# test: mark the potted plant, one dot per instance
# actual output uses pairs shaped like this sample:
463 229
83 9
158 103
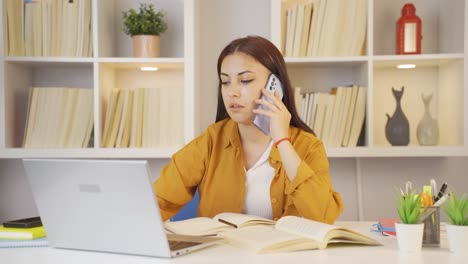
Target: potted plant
457 231
410 230
145 27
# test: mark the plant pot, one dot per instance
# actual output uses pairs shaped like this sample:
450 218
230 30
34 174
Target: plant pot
409 237
146 46
457 237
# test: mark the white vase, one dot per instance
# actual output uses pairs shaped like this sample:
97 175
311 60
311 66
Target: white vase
409 237
457 237
427 131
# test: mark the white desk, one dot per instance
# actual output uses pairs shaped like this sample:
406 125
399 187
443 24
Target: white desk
387 254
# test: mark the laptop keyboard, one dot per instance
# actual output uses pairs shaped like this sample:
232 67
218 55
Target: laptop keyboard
176 245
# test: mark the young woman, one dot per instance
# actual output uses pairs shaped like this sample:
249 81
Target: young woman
238 168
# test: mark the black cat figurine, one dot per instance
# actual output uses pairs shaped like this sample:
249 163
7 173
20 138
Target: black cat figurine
397 127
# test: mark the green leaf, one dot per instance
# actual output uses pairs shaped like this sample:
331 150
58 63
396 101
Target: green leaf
457 209
144 22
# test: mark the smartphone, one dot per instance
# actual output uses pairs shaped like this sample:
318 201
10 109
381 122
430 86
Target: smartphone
263 122
24 223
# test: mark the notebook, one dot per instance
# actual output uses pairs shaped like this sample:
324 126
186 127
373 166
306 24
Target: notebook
9 243
103 205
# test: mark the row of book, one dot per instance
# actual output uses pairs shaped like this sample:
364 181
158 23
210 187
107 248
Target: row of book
143 118
324 27
49 28
337 117
59 118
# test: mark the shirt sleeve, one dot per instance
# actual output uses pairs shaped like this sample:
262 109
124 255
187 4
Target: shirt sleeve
311 192
179 179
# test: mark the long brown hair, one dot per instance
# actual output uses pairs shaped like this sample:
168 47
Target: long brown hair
269 56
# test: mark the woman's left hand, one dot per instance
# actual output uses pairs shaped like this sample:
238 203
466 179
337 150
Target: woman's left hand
278 114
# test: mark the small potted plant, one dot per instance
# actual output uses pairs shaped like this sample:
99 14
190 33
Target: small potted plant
145 27
410 230
457 231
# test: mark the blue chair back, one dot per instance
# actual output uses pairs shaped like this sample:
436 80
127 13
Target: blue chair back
189 210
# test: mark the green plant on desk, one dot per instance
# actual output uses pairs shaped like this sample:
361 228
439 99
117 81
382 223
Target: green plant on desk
457 231
409 207
457 210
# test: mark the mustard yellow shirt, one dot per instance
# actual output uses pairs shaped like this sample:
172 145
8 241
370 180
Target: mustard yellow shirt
213 163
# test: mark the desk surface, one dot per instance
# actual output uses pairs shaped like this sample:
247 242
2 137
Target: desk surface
387 254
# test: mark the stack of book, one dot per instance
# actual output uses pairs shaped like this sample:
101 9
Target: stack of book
22 237
337 117
59 118
143 118
324 27
49 28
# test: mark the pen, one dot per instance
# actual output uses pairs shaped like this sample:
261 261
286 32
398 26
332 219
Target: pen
441 192
442 200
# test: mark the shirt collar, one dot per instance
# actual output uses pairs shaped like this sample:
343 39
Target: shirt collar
232 138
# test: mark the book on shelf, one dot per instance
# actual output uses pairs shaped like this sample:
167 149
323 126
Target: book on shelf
110 114
329 117
48 28
58 117
310 118
205 226
357 120
22 233
115 122
339 133
137 118
309 27
349 116
292 233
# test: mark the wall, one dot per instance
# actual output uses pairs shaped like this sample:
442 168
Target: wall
378 179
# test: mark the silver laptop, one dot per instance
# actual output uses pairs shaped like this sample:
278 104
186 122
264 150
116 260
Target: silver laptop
103 205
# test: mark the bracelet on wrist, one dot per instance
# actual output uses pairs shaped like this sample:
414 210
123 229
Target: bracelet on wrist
281 140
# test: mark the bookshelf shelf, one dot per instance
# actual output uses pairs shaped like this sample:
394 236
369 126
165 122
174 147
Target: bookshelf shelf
179 61
49 59
326 60
136 153
387 152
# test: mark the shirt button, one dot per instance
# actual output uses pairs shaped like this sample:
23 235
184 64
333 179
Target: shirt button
273 200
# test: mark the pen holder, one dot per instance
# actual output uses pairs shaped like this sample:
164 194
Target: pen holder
431 233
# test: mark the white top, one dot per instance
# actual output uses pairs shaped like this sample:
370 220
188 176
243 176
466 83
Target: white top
257 182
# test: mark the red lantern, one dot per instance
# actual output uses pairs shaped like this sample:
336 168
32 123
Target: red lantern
408 36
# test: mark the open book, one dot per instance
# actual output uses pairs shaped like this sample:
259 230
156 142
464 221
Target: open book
292 233
205 226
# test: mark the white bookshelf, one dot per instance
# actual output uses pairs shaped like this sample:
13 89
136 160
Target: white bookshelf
440 70
112 65
189 51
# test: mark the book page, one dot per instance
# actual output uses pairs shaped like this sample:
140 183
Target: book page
242 220
263 239
321 232
199 226
305 227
